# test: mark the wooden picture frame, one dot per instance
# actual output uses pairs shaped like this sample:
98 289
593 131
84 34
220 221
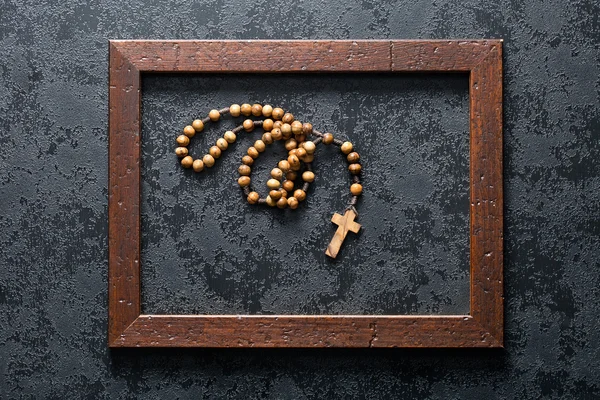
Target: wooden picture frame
481 59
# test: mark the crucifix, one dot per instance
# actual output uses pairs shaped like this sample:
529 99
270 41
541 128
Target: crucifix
345 223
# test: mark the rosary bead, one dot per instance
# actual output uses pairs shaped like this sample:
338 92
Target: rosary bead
301 138
244 170
310 147
267 138
270 201
300 194
277 124
290 144
260 146
198 125
292 203
230 136
283 192
222 144
291 175
277 113
286 130
247 160
267 124
275 194
253 197
183 140
273 184
267 110
354 169
248 125
252 152
301 153
276 173
327 138
356 189
287 118
234 110
244 181
307 128
198 165
256 110
284 165
181 151
208 160
346 147
282 203
215 152
353 157
288 186
187 161
189 131
309 158
294 162
214 115
308 176
296 127
276 134
246 109
293 152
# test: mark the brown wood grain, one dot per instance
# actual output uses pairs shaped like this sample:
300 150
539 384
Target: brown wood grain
482 59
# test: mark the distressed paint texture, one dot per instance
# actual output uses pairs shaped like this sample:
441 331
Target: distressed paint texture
53 204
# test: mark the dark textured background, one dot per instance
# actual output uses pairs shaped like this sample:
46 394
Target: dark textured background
53 204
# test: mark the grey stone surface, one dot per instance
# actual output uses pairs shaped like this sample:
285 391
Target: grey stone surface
411 131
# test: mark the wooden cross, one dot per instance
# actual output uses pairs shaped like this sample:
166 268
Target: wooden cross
345 223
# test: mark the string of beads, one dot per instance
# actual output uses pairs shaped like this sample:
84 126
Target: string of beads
278 125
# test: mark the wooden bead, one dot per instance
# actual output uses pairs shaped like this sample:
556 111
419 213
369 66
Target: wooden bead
267 124
248 125
276 134
282 203
244 169
353 157
286 130
288 186
260 146
235 110
276 173
230 137
253 197
300 194
310 147
283 192
354 169
307 128
309 158
292 203
277 124
247 160
270 201
308 176
273 184
301 153
244 181
287 118
198 165
296 127
267 138
215 152
327 138
267 110
346 147
187 161
222 144
183 140
208 160
275 194
181 151
291 175
294 162
277 113
198 125
356 189
189 131
214 115
252 152
290 144
256 110
293 152
300 138
284 165
246 109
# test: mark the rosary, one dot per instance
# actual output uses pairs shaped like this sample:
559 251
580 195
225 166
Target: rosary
278 125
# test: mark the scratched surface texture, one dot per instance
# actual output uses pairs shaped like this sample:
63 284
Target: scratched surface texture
53 204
